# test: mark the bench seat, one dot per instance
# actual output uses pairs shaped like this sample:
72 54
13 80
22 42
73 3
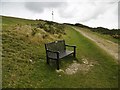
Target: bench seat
61 54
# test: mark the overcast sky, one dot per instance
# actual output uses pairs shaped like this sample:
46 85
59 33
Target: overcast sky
94 13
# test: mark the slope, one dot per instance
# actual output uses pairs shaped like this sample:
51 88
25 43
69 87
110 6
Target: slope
109 46
24 62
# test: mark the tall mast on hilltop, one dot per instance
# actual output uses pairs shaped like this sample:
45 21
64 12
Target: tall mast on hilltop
52 15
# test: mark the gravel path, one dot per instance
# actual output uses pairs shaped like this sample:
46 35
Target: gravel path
109 46
75 67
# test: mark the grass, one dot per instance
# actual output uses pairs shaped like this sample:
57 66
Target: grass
108 37
13 20
104 36
24 63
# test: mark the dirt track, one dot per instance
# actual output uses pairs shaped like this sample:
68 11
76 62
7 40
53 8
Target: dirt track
109 46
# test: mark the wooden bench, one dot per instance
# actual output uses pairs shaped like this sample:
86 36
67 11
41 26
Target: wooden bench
57 50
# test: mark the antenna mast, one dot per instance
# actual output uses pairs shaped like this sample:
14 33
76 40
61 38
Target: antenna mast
52 15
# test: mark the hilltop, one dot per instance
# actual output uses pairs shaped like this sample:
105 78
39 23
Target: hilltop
115 33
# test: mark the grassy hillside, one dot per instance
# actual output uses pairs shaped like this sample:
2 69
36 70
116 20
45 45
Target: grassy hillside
24 62
13 20
110 34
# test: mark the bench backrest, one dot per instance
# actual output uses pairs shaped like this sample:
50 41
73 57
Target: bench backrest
56 46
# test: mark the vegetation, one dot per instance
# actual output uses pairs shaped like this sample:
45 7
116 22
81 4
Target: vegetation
52 27
13 20
34 31
24 62
115 33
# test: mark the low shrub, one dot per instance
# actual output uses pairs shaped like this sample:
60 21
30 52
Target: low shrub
34 31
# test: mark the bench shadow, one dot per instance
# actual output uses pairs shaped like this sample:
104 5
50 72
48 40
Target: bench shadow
64 62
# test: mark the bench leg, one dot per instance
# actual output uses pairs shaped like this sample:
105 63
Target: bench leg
47 60
74 54
57 62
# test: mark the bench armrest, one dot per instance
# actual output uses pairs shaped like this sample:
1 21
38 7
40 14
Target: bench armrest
70 45
74 49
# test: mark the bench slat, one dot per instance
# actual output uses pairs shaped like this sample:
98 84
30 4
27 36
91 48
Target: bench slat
61 54
56 46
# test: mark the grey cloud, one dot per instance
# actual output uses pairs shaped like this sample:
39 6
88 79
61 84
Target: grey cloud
99 9
104 6
39 7
64 13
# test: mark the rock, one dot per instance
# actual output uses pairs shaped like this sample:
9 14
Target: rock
73 68
76 69
60 70
85 61
91 65
74 61
30 60
59 75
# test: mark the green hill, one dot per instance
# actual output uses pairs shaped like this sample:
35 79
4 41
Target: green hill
24 62
14 20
